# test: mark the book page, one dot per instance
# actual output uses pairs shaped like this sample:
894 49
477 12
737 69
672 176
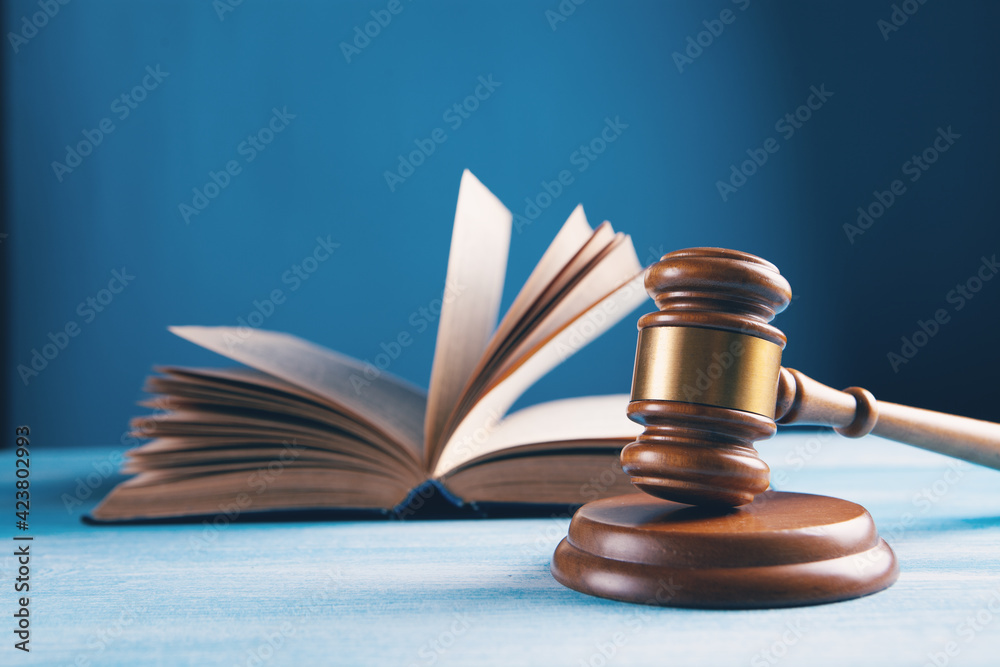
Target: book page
212 389
607 259
477 266
473 436
385 403
588 257
565 477
235 380
564 451
616 265
572 237
579 422
570 243
173 493
185 427
198 456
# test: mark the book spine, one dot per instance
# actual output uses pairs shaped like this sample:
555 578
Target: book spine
446 493
423 500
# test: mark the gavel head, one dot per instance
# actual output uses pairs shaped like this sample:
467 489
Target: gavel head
706 377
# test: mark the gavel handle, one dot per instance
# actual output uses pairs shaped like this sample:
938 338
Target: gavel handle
854 412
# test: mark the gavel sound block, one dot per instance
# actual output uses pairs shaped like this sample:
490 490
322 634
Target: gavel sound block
708 383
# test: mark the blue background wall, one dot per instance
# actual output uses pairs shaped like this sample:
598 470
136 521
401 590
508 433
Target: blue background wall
323 175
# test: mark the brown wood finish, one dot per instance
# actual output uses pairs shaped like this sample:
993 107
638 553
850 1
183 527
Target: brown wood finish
697 454
782 550
703 454
733 544
854 412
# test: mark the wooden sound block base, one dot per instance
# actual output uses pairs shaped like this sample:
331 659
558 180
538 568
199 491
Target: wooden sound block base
781 550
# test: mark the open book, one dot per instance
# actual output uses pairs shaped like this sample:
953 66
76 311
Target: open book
302 427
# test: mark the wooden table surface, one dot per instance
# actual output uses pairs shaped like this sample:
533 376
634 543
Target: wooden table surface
480 592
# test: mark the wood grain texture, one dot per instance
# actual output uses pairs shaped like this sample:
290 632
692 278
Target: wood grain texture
698 443
782 550
855 412
467 593
697 446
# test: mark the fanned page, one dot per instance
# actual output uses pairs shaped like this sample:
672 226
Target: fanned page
477 265
244 436
472 438
366 442
216 414
387 404
616 264
569 255
572 237
248 389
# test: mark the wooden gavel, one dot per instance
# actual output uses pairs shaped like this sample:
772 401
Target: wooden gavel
708 383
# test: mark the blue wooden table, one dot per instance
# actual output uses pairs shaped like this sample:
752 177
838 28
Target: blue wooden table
480 592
